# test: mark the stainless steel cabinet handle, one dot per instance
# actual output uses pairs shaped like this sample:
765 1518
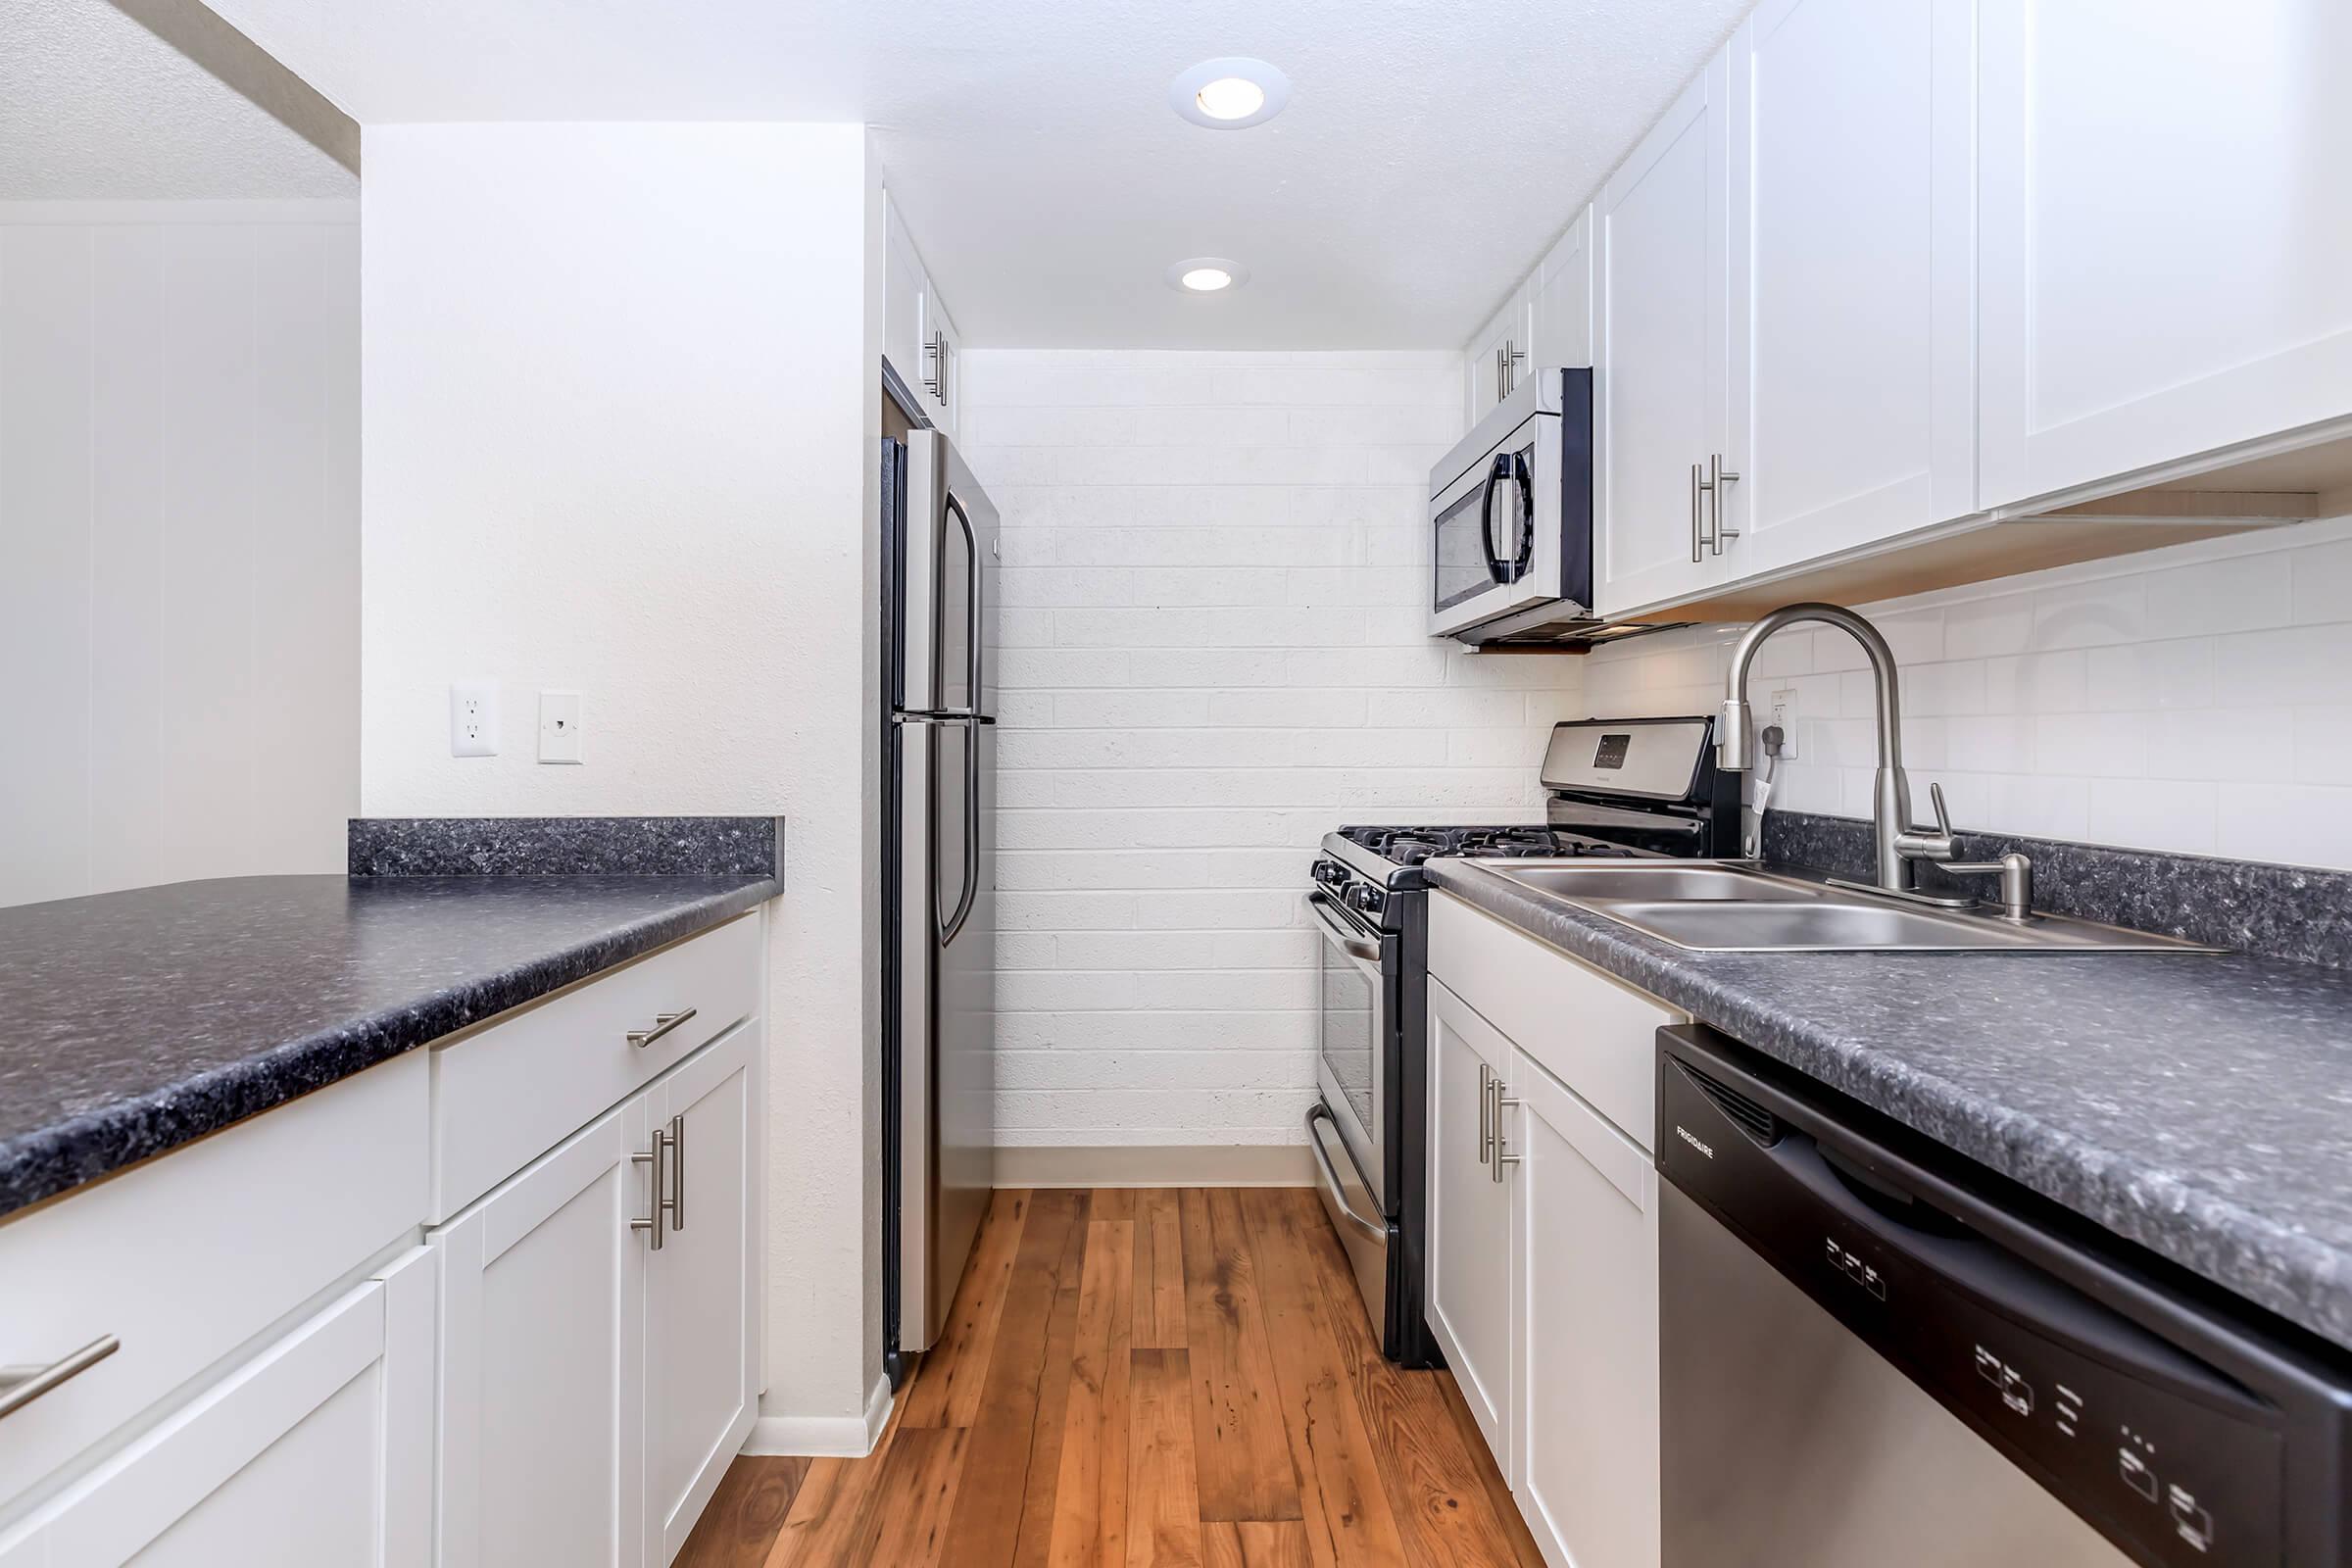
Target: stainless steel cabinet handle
20 1386
661 1205
1500 1105
1717 477
664 1023
939 351
1508 360
1697 543
1486 1112
677 1171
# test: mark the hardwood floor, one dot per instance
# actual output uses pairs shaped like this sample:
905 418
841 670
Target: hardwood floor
1163 1377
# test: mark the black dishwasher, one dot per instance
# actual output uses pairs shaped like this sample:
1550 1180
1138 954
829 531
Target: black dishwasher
1872 1352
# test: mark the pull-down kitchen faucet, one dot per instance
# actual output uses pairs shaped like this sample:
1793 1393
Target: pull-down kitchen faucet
1899 843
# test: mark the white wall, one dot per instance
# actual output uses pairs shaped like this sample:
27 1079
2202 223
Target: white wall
178 541
2192 700
1215 653
619 400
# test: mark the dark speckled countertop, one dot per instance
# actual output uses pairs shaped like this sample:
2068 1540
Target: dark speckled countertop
138 1021
2200 1107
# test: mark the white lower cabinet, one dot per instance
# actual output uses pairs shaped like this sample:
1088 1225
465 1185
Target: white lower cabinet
1544 1233
702 1378
543 1359
1585 1293
317 1451
598 1348
1470 1241
560 1374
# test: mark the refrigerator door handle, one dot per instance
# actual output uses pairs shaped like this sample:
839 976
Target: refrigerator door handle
971 840
972 638
974 669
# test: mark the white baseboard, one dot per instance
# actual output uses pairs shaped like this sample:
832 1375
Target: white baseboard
824 1437
1158 1165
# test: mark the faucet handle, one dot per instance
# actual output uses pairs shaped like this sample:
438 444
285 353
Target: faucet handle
1943 819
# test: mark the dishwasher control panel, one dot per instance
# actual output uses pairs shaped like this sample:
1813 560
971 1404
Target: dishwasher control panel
2167 1456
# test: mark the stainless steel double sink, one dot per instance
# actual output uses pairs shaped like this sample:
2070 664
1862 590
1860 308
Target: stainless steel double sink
1730 907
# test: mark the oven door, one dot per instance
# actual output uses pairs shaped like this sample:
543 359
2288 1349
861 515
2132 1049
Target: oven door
1496 529
1354 1040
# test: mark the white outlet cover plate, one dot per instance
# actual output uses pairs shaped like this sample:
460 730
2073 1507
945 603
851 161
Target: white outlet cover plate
1780 710
559 727
473 718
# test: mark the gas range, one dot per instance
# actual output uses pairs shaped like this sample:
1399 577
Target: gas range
1645 788
1393 855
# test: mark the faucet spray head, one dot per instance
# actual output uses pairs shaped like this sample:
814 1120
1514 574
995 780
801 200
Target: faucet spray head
1734 733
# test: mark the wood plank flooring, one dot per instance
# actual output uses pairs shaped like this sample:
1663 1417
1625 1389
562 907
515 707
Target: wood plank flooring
1184 1379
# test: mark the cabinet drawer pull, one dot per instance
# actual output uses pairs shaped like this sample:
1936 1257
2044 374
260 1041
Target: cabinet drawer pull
664 1023
20 1386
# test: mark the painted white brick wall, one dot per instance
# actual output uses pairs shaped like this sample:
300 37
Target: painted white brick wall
2196 699
1212 617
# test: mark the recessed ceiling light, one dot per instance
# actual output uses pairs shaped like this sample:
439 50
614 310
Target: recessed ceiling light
1230 94
1207 274
1231 98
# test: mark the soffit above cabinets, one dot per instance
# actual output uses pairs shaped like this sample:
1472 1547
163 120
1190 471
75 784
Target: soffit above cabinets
1425 153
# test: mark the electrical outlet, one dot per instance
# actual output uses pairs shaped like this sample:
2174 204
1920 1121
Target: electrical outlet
1781 707
559 727
473 719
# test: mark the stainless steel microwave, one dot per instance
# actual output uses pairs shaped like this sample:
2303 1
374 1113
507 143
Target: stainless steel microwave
1510 509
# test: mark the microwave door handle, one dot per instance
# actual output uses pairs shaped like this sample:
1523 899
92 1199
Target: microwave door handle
1526 514
1496 567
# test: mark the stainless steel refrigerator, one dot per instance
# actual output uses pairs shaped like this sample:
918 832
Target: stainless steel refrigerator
940 964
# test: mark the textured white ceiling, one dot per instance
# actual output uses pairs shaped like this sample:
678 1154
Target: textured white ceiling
94 106
1429 152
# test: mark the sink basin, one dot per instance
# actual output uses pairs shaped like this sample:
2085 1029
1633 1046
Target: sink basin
1645 880
1822 926
1714 906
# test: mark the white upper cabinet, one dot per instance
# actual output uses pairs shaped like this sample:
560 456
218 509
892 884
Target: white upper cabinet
2167 253
1664 404
920 338
1559 328
1498 358
1852 398
902 300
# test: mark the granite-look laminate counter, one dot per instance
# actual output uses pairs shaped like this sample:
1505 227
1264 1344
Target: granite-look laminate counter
2198 1105
138 1021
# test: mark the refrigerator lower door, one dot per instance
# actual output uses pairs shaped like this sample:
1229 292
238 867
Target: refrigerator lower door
965 1009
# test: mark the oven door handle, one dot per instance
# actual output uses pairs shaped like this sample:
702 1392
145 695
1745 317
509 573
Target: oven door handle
1332 1185
1341 929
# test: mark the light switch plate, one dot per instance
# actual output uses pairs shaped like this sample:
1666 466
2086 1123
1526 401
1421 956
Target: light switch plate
559 727
473 718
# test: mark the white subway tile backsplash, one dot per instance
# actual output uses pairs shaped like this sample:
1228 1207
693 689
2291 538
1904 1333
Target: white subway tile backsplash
2216 596
2086 614
1213 590
2155 700
2302 824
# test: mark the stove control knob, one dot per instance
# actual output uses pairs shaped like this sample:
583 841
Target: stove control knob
1331 873
1368 899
